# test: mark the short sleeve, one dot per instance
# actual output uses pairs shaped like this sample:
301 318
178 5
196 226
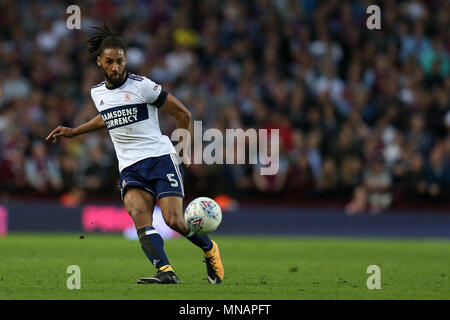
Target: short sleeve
93 98
150 90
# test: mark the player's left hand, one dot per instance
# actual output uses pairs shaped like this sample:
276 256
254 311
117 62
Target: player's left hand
60 131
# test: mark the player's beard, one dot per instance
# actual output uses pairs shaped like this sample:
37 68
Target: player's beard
116 78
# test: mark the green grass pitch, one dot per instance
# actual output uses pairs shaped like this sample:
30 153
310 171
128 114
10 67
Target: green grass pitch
33 266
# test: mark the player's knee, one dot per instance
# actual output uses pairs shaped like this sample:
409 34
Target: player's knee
135 212
141 218
175 222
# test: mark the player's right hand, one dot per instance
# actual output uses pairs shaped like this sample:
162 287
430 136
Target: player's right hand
60 131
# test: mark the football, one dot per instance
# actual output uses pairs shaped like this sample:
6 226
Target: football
203 215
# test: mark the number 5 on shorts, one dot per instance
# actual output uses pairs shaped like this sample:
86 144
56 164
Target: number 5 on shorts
174 183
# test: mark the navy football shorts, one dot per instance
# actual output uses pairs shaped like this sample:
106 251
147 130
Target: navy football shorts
160 176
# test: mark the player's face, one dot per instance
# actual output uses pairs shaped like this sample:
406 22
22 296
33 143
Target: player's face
113 63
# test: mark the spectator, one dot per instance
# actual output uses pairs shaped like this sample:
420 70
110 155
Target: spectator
327 184
343 145
351 175
378 183
12 172
96 176
359 203
416 184
334 89
300 180
417 135
15 85
438 174
42 171
271 185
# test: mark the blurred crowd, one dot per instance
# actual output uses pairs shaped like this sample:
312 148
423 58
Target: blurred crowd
363 115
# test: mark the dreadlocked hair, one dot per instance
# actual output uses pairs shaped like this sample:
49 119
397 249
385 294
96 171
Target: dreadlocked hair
105 38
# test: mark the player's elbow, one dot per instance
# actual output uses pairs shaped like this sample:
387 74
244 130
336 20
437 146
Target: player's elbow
188 116
175 108
185 116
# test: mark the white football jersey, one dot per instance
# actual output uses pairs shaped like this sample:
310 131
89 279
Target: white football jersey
130 112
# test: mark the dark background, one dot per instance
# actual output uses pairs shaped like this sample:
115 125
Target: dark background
364 115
